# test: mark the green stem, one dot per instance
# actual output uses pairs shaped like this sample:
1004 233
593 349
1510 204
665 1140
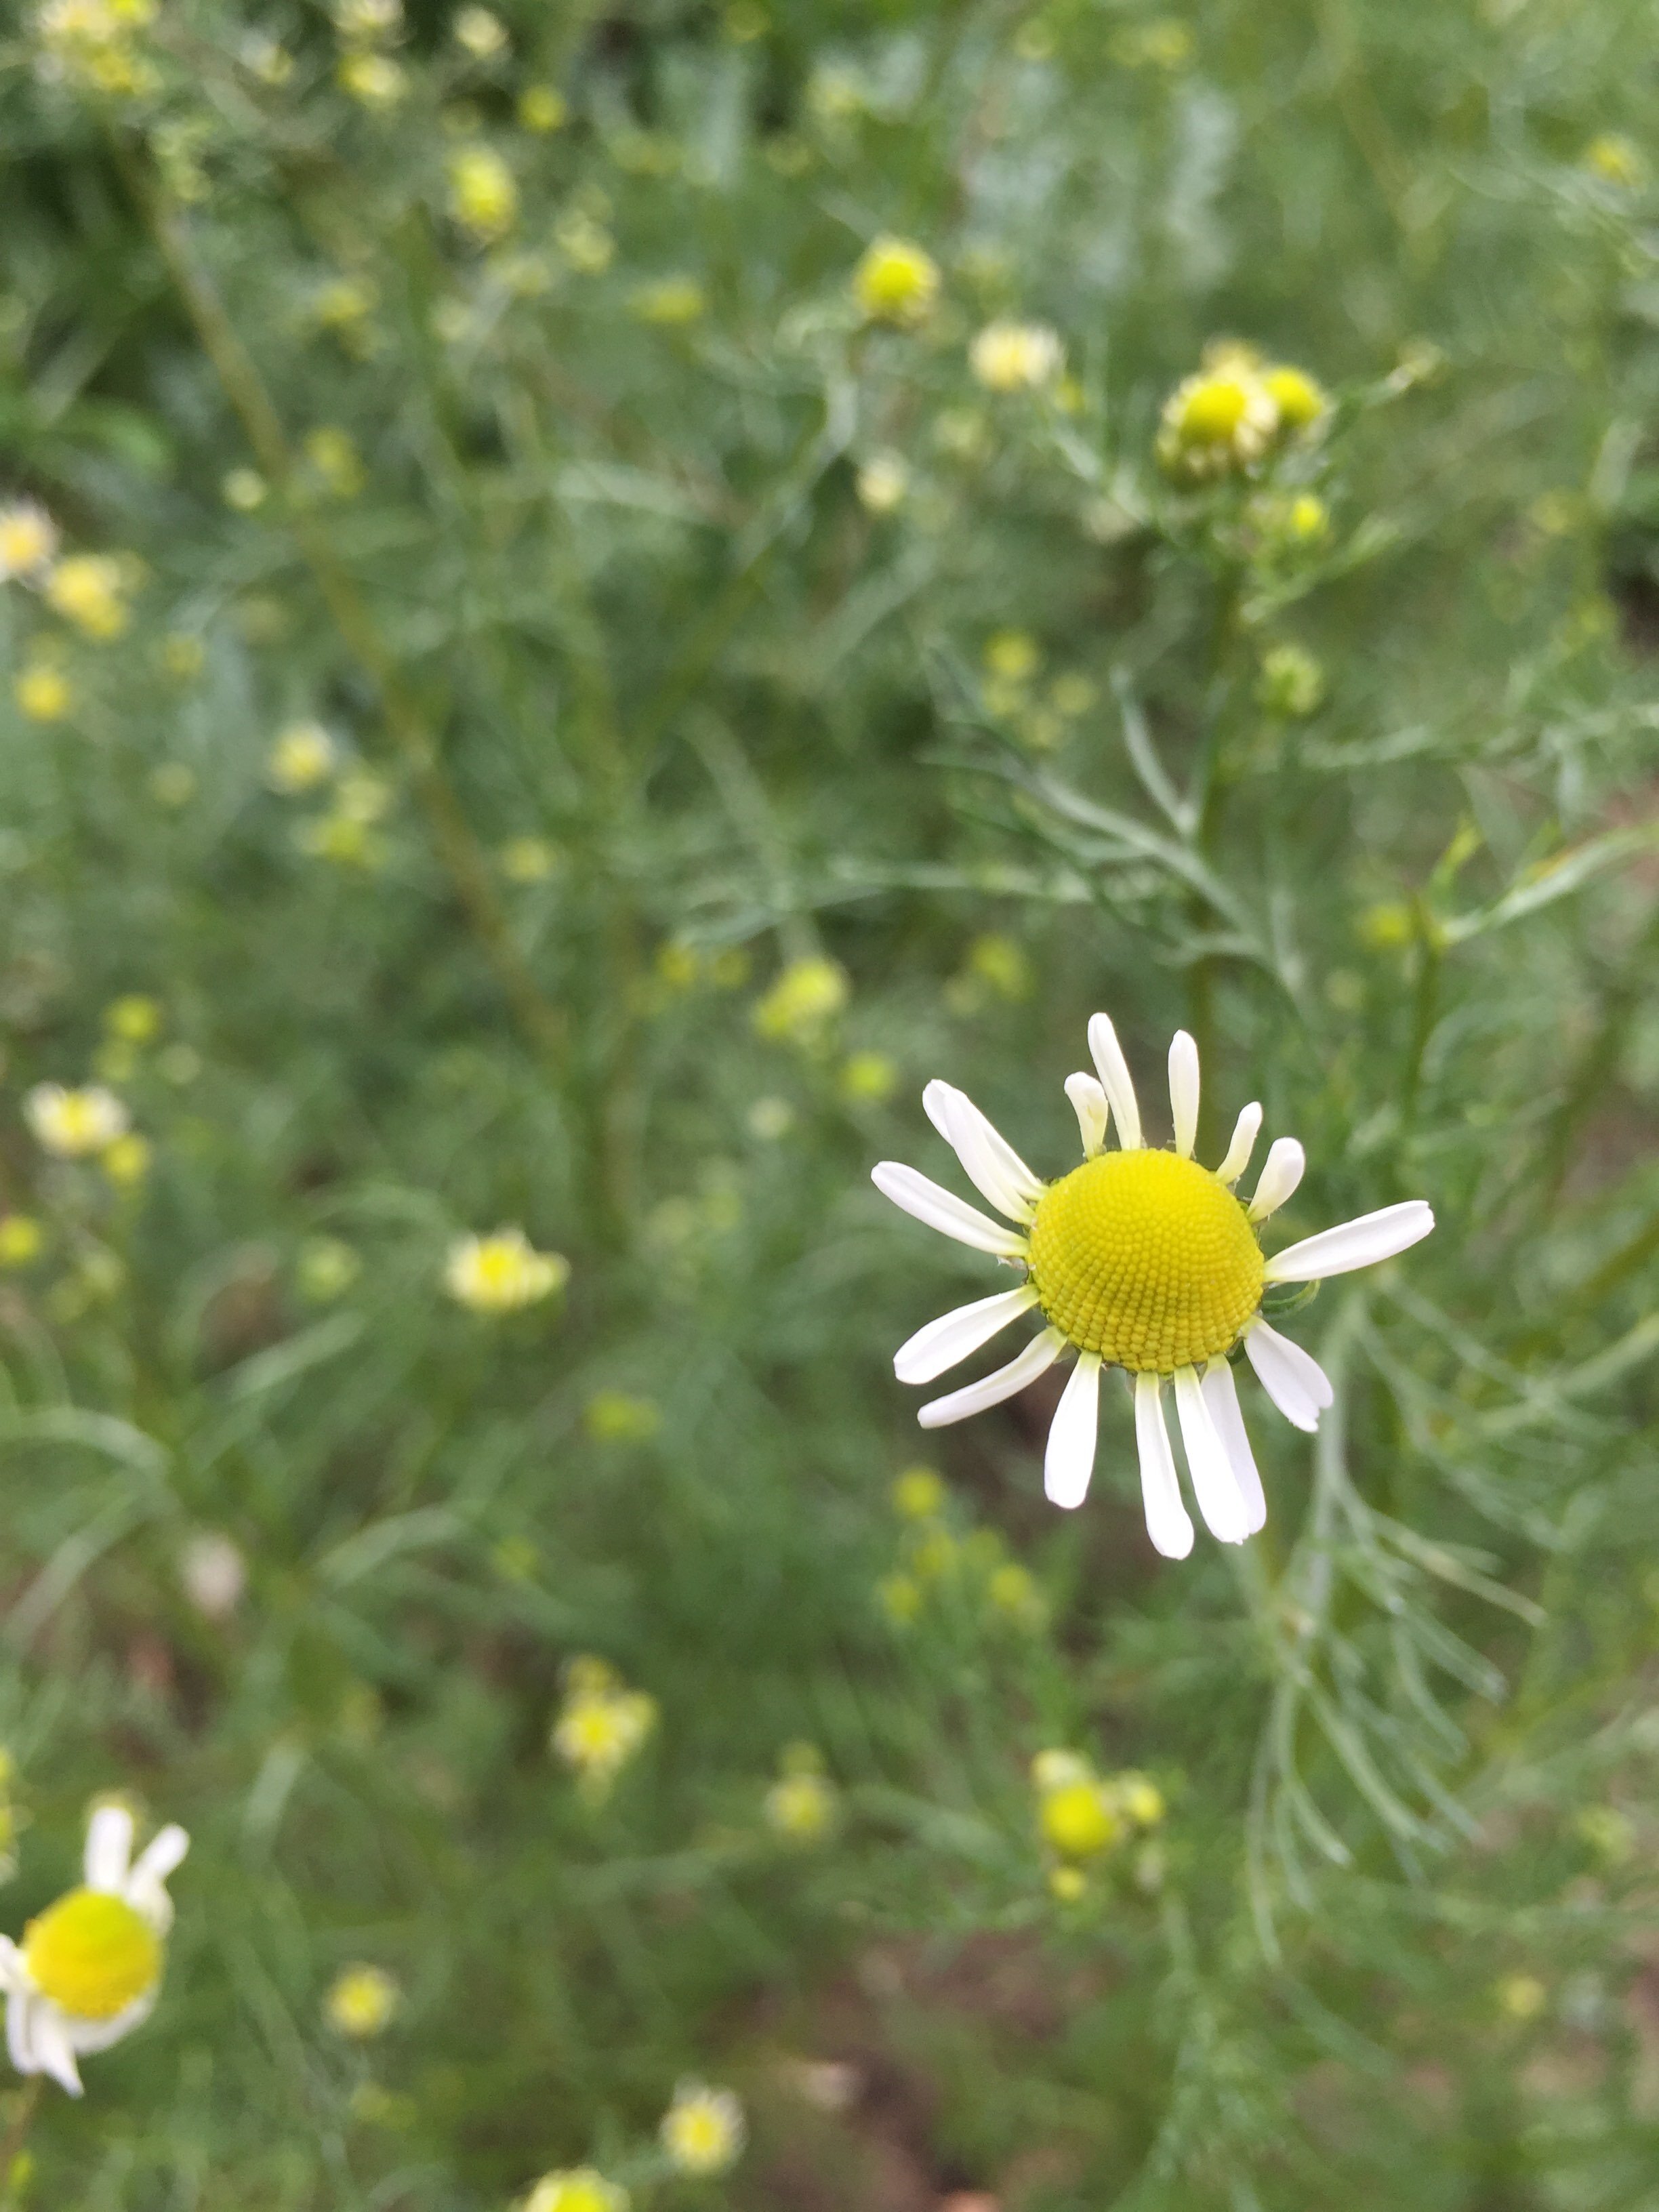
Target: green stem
11 2144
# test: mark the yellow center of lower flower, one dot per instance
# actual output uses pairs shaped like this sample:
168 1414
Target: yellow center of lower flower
1146 1258
92 1953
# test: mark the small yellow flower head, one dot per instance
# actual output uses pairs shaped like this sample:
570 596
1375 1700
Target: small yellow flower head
480 33
1078 1820
244 490
93 1955
326 1269
1140 1798
362 2001
542 108
127 1161
1014 655
364 22
364 797
1067 1883
1616 160
374 81
74 1124
895 281
1013 1594
1388 925
1056 1770
134 1017
1298 397
90 590
43 692
333 454
868 1079
302 756
1015 356
672 303
613 1417
29 540
502 1272
483 197
602 1724
803 1001
882 482
577 2188
91 42
802 1804
344 303
919 1494
528 860
702 2130
1000 964
22 1239
1291 683
1522 1996
1218 421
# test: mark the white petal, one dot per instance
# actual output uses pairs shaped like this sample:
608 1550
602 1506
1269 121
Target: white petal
1167 1524
1069 1460
54 2054
943 1342
1292 1377
1214 1484
990 1162
1039 1355
1245 1130
146 1890
1089 1104
1351 1244
1119 1083
109 1846
87 2035
909 1188
20 2040
1222 1393
13 1974
1183 1091
1281 1171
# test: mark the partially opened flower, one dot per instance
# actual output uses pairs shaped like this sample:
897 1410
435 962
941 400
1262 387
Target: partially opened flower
89 1968
704 2130
1144 1259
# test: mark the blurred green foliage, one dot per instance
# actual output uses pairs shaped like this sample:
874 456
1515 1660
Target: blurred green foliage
734 713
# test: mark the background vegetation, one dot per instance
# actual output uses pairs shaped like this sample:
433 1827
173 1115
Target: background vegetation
657 604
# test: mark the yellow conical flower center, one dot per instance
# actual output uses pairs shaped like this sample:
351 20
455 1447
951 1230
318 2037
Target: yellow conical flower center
1146 1258
1214 411
92 1953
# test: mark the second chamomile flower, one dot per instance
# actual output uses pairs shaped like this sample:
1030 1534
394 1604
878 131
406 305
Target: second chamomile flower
502 1272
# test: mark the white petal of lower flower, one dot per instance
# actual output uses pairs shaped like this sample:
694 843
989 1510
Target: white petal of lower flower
54 2054
1069 1460
909 1188
1245 1132
1089 1104
1039 1355
989 1161
943 1342
1214 1484
1351 1244
146 1886
1292 1377
87 2036
109 1848
20 2039
1167 1522
1221 1393
1281 1171
1113 1071
14 1973
1183 1091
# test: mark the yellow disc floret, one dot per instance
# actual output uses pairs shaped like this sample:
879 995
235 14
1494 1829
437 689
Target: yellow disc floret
92 1953
1146 1258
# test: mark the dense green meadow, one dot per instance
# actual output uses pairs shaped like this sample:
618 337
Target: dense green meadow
591 597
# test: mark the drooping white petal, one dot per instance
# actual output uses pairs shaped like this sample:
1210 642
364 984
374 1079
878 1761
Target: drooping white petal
1292 1377
146 1886
1351 1244
943 1342
1214 1484
1245 1130
1167 1522
1069 1460
20 2037
1183 1091
1221 1393
989 1161
109 1847
1089 1104
940 1210
54 2054
1039 1355
13 1974
1119 1084
1281 1171
89 2035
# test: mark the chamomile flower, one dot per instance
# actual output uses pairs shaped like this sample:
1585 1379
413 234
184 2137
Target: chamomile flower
1219 420
1015 356
28 539
1141 1259
601 1725
74 1124
576 2189
704 2130
89 1967
502 1272
895 281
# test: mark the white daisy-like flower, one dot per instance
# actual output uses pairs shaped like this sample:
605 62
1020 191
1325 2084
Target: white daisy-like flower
89 1968
1144 1259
